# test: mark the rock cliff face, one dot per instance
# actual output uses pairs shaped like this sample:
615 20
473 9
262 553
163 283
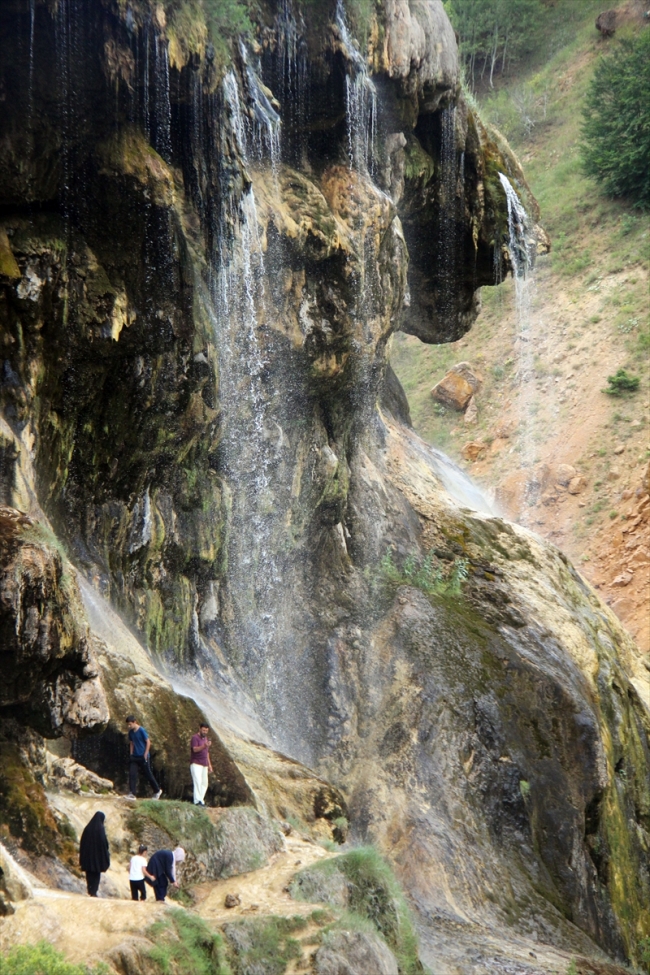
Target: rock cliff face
204 254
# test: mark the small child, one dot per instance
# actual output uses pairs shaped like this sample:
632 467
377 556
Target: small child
137 872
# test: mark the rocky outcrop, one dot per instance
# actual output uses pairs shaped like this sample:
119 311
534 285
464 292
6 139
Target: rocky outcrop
346 952
50 675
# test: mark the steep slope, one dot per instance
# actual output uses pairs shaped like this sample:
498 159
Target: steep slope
542 402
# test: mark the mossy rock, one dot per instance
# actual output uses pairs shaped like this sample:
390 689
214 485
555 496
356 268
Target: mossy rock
240 840
365 882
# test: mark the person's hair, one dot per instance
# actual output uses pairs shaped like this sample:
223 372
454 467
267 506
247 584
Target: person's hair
204 724
142 848
130 718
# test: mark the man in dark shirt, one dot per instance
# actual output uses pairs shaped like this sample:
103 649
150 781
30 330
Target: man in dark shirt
200 763
139 746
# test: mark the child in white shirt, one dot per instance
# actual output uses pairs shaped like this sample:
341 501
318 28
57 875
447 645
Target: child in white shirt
137 872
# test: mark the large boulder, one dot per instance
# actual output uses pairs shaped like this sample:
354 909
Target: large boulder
50 674
354 953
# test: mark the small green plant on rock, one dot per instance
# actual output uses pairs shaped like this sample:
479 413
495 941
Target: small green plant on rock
621 382
422 573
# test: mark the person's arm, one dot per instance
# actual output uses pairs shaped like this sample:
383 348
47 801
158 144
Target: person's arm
146 748
147 874
201 747
130 744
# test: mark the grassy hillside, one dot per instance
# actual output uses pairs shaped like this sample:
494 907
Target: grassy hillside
542 403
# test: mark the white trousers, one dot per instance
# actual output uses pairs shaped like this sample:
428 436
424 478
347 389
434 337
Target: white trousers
200 781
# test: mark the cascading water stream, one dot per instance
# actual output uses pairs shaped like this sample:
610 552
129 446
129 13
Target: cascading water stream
447 242
521 252
162 106
361 101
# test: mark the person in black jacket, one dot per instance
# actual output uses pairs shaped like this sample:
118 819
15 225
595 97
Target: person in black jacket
163 867
94 857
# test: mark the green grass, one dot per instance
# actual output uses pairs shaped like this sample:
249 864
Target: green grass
43 959
185 945
374 897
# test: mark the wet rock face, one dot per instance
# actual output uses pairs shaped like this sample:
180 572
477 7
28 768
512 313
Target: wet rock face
50 677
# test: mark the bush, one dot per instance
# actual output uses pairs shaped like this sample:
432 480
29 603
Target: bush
621 382
42 959
616 122
185 945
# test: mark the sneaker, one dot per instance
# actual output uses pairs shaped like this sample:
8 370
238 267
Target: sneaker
130 796
158 794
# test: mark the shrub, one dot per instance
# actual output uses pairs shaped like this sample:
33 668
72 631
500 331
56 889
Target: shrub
621 382
185 945
616 122
42 959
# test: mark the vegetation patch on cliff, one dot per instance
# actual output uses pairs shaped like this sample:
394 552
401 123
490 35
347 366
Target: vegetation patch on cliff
372 893
185 945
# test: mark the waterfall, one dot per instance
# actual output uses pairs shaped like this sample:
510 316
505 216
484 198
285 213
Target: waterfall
162 104
521 252
251 439
360 99
263 137
290 76
447 234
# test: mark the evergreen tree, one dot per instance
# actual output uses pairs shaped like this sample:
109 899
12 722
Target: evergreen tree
616 121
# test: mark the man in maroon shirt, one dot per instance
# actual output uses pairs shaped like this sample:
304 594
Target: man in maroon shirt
200 763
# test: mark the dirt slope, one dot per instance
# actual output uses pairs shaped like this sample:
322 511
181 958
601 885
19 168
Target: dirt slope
542 403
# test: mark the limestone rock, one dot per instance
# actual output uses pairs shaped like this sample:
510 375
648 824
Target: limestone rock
624 579
473 450
577 484
421 45
14 882
354 953
471 414
619 449
65 773
564 474
453 391
8 264
232 900
457 388
50 674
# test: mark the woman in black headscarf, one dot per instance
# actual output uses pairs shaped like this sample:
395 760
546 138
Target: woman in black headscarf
94 858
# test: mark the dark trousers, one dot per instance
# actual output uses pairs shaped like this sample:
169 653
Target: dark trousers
92 882
138 886
160 888
138 764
